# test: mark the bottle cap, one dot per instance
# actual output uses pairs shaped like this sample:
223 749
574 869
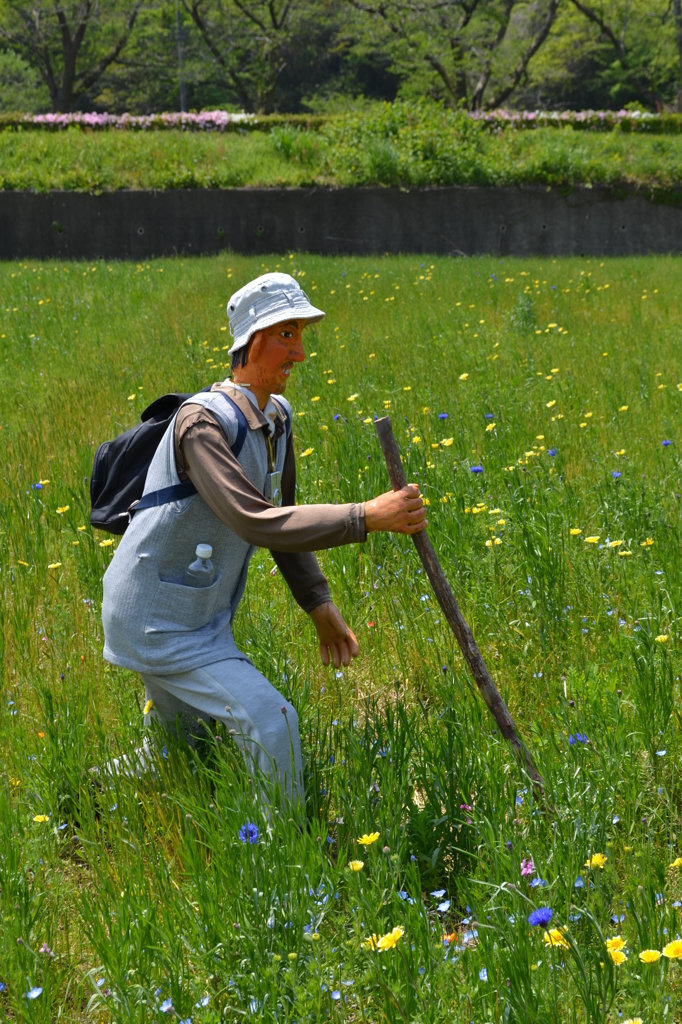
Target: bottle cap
204 550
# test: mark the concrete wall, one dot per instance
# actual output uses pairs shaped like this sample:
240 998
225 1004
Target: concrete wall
456 220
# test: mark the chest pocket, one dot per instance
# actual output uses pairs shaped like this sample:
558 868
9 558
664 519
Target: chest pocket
177 608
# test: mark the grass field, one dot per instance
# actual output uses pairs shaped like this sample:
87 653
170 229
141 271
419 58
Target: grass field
392 145
537 402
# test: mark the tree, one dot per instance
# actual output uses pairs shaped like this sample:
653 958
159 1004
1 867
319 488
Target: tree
70 43
677 13
637 50
248 40
471 47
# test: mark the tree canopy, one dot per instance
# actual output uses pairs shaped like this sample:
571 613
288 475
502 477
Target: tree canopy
318 55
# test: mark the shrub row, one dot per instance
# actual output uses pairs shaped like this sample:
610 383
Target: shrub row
225 121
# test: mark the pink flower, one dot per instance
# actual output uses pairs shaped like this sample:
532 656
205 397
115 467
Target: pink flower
527 866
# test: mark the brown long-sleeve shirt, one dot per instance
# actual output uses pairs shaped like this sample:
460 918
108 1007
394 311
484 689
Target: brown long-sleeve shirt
291 532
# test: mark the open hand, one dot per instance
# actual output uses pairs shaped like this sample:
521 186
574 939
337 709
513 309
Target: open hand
396 511
336 639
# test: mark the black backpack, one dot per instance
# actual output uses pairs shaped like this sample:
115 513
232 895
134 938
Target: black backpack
120 466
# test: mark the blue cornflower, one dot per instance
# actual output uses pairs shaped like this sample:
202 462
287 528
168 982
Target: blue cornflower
202 1002
336 994
579 883
39 487
537 882
443 907
438 893
442 415
488 415
477 469
483 974
337 417
3 987
616 474
33 993
552 452
543 915
661 753
248 833
665 443
166 1005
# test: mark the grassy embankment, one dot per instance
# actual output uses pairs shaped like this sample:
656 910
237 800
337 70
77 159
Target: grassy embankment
560 379
397 145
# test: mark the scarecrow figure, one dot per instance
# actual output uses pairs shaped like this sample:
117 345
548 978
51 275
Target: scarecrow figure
179 637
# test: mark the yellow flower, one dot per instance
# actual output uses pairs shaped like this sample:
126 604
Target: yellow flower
554 937
623 408
673 950
615 943
677 863
81 529
390 940
624 554
463 376
368 420
621 452
598 860
592 540
491 426
356 865
649 956
22 563
351 398
614 543
415 440
447 442
367 840
646 543
617 956
54 565
40 818
106 543
425 501
494 511
408 388
575 531
148 706
331 381
370 943
306 453
662 638
551 404
633 1020
62 509
131 398
315 399
43 482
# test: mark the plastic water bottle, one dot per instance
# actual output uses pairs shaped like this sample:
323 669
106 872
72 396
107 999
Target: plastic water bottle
201 572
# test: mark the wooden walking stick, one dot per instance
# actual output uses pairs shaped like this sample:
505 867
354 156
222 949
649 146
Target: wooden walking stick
456 620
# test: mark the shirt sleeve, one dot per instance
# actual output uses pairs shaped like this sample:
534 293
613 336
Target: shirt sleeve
300 569
206 458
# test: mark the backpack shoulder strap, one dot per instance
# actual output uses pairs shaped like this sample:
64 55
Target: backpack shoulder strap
176 492
285 409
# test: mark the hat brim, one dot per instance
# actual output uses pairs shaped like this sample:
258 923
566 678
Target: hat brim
301 311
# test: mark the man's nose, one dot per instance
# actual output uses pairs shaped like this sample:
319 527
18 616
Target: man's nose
296 353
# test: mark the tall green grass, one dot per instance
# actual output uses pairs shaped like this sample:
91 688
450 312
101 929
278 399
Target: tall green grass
559 380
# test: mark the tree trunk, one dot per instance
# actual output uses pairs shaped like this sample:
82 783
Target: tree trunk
677 11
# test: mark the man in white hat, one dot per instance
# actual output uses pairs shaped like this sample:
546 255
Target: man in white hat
234 444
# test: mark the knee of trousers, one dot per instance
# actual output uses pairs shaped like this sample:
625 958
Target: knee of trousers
282 729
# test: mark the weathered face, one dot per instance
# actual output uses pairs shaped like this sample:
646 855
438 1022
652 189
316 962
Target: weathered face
272 355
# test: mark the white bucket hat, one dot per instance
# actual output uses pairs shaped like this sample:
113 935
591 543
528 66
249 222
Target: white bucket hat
267 301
